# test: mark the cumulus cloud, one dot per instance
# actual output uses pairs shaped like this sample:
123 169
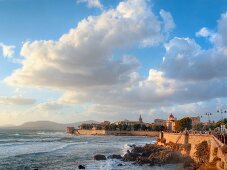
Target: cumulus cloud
80 63
82 58
186 60
16 100
92 3
204 32
7 50
222 31
169 24
189 74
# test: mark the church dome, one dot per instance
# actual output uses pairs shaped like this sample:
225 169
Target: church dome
171 117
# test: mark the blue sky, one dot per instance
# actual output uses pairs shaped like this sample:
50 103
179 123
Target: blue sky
36 20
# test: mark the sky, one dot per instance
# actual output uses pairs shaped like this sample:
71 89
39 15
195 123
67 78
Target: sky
75 60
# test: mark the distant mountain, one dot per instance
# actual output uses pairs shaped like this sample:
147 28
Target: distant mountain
48 125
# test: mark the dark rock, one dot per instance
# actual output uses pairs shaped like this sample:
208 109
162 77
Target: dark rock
155 155
131 156
142 160
146 154
99 157
120 164
114 156
81 167
137 149
189 163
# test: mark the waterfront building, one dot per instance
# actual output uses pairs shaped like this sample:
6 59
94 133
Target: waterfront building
171 122
130 123
70 130
159 122
140 119
195 120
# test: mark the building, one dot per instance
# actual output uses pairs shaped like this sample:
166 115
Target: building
171 122
70 130
140 119
105 123
159 122
130 123
195 120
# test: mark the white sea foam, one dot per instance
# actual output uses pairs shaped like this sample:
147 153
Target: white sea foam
15 149
63 150
16 134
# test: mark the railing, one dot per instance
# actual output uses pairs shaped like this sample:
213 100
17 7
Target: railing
221 137
193 132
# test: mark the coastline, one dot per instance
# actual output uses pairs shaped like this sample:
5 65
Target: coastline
115 133
192 151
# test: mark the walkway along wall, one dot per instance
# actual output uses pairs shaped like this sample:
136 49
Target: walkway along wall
194 139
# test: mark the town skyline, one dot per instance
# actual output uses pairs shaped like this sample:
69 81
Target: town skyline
104 60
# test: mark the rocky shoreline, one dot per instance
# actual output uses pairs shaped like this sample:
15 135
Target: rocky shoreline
152 155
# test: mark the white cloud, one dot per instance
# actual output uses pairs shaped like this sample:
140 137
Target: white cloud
48 106
186 60
204 32
16 100
189 74
7 50
222 31
82 58
169 24
92 3
80 63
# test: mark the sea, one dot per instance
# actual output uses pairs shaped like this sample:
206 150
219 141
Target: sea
57 150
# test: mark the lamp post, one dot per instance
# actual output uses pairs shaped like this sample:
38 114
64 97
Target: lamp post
208 114
222 111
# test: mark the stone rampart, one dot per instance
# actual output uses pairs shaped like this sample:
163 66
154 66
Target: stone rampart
194 139
117 133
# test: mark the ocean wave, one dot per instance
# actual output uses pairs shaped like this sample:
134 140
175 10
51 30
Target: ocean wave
16 134
24 149
11 144
35 139
129 146
46 133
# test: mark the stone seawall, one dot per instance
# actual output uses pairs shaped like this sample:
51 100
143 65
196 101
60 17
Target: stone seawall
117 133
90 132
194 139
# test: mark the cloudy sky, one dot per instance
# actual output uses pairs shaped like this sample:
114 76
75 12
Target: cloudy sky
74 60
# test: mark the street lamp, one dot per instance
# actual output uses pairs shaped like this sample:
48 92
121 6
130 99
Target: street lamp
221 111
208 114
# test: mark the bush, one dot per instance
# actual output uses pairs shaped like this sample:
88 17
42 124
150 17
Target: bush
202 152
224 148
183 123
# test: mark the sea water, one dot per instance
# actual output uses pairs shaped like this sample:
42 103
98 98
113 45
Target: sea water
50 150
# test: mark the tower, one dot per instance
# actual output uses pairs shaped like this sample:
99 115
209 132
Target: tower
140 119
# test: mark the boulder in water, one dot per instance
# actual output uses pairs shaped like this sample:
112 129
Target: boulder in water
99 157
81 167
114 156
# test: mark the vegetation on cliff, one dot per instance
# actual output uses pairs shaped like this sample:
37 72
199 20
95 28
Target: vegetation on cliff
202 153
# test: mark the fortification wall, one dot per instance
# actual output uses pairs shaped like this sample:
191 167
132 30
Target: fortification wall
91 132
194 139
117 133
145 133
